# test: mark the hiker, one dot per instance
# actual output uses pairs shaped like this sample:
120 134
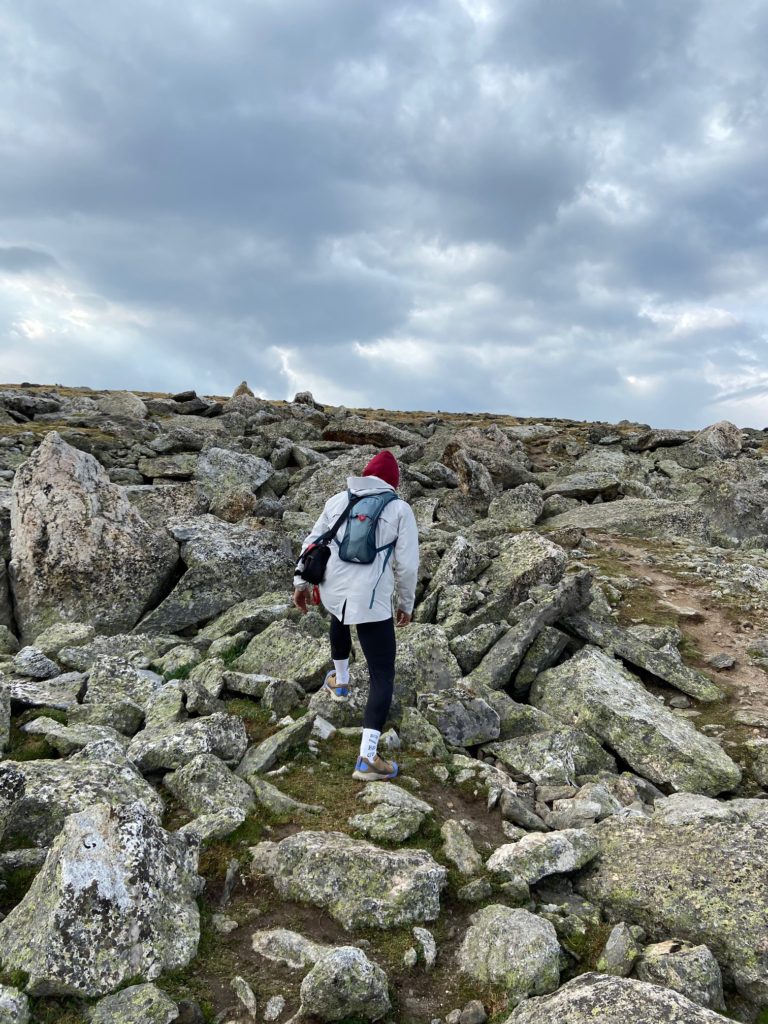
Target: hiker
360 593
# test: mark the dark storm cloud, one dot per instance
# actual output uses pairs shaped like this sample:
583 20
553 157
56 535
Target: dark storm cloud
533 206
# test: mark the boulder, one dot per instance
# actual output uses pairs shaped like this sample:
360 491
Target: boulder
538 855
595 693
229 480
553 756
424 663
722 440
68 738
287 650
359 431
61 692
705 883
357 883
63 634
502 457
460 715
511 949
205 785
31 663
114 900
691 970
664 664
290 949
158 503
175 745
137 1004
79 551
14 1006
98 774
262 756
610 1000
459 849
585 486
122 404
226 563
344 984
113 678
518 508
521 562
636 517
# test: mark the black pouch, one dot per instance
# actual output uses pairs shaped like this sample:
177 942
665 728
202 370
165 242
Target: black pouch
314 561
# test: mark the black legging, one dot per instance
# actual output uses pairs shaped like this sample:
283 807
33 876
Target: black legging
378 642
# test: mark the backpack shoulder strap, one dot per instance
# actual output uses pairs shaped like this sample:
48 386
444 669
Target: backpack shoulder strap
330 534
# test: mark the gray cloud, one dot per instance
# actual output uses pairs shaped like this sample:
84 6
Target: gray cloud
534 207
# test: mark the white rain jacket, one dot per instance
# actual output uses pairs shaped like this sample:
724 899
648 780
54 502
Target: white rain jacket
348 586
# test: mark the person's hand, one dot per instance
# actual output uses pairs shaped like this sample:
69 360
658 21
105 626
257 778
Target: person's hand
403 618
300 596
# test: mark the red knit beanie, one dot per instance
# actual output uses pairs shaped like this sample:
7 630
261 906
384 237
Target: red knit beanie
385 467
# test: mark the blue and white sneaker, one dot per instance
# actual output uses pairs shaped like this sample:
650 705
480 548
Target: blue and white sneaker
377 770
335 692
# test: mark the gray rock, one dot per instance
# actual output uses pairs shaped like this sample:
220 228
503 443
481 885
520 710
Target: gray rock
229 480
63 634
113 678
585 486
121 715
359 431
757 752
542 654
288 650
518 508
99 773
689 808
205 785
345 984
263 756
226 563
636 517
122 403
620 952
171 747
663 664
33 664
691 970
473 1013
459 849
552 756
61 692
357 883
424 663
14 1006
536 856
703 882
460 715
593 691
137 1004
611 1000
287 948
114 900
159 503
417 734
68 738
80 551
511 949
722 440
387 823
8 642
470 648
216 825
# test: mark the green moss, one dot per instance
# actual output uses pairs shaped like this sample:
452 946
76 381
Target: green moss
182 672
230 657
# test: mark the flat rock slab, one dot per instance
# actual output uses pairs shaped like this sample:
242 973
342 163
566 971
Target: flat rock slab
205 785
662 664
173 746
553 757
60 692
137 1004
610 1000
636 517
704 882
263 756
595 693
357 883
114 900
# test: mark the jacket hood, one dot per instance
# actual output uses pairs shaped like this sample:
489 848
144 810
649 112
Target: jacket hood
367 485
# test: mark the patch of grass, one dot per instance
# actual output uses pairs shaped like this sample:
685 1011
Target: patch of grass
182 672
256 718
231 656
24 746
57 1011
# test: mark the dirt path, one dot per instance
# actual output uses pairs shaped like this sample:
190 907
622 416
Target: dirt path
709 629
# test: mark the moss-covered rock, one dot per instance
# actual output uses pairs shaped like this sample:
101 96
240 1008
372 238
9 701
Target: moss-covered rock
610 1000
513 950
137 1004
691 970
705 882
593 692
359 884
344 984
536 856
114 900
174 745
287 651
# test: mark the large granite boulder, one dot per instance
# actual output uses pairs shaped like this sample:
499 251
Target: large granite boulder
593 692
80 552
229 480
114 900
177 743
137 1004
461 716
691 970
205 785
536 856
611 1000
288 650
636 517
705 882
99 773
357 883
513 950
226 563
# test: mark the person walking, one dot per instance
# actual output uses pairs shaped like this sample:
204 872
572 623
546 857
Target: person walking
361 595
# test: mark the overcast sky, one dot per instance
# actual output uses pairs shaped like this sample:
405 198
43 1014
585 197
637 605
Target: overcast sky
538 207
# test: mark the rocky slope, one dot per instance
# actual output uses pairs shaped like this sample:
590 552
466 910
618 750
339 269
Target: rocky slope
581 710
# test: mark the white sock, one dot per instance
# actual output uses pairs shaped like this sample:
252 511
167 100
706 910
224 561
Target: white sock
369 744
342 671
